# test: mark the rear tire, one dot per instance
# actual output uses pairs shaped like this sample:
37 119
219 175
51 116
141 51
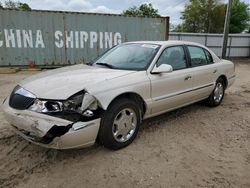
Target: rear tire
217 95
119 124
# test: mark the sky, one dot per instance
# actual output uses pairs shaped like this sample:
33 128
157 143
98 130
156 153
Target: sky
172 8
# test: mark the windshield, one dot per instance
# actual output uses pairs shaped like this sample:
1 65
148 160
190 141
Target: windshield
128 56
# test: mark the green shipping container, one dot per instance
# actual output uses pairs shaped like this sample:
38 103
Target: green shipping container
55 38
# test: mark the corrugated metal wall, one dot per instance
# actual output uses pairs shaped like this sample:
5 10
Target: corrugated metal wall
238 44
60 38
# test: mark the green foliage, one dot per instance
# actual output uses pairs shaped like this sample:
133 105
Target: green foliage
218 19
208 16
178 28
239 17
10 4
171 28
143 10
203 16
24 6
16 5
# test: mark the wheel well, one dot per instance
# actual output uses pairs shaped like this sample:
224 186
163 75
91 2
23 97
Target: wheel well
136 98
224 79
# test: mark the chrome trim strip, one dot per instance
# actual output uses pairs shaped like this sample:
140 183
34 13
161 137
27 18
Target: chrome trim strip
232 77
173 95
80 125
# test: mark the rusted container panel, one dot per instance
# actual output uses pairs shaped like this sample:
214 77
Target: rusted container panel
50 38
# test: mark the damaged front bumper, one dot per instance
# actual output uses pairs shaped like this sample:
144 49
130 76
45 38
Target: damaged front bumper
49 131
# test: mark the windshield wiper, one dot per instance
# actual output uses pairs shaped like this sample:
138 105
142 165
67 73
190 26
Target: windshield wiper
106 64
89 64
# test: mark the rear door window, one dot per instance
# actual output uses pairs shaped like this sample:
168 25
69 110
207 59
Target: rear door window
209 57
197 56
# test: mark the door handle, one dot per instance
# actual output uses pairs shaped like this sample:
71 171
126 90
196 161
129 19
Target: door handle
188 77
215 70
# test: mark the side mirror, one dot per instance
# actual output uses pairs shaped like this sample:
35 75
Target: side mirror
163 68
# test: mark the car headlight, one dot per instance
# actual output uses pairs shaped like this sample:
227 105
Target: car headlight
46 106
78 103
74 102
81 102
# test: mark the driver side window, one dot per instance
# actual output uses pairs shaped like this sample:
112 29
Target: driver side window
173 56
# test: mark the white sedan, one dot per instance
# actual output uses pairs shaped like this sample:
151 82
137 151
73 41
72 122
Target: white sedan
106 100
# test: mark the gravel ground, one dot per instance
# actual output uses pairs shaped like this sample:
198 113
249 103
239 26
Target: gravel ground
195 146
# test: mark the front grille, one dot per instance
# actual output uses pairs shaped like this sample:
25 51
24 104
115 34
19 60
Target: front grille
20 102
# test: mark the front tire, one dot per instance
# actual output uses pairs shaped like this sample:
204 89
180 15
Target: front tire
119 124
217 95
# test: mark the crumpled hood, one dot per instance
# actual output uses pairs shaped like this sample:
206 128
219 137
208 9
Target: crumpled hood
63 82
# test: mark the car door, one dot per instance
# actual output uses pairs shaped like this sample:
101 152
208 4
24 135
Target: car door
171 90
205 71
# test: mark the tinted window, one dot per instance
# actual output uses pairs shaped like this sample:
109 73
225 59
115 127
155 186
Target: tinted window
197 55
173 56
209 57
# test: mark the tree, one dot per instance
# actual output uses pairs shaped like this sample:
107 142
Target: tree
143 10
202 16
178 28
10 4
218 19
191 17
24 7
172 27
16 5
239 17
208 16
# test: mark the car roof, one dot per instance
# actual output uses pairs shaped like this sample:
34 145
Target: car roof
168 42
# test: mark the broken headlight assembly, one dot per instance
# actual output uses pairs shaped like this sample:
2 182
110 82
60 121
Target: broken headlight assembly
44 106
80 104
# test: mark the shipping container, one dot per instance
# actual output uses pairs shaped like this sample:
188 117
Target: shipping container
56 38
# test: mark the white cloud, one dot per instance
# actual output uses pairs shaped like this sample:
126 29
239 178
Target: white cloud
174 13
104 9
69 5
171 8
166 7
79 5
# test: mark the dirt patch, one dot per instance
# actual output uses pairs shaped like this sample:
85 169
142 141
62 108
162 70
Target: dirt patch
195 146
